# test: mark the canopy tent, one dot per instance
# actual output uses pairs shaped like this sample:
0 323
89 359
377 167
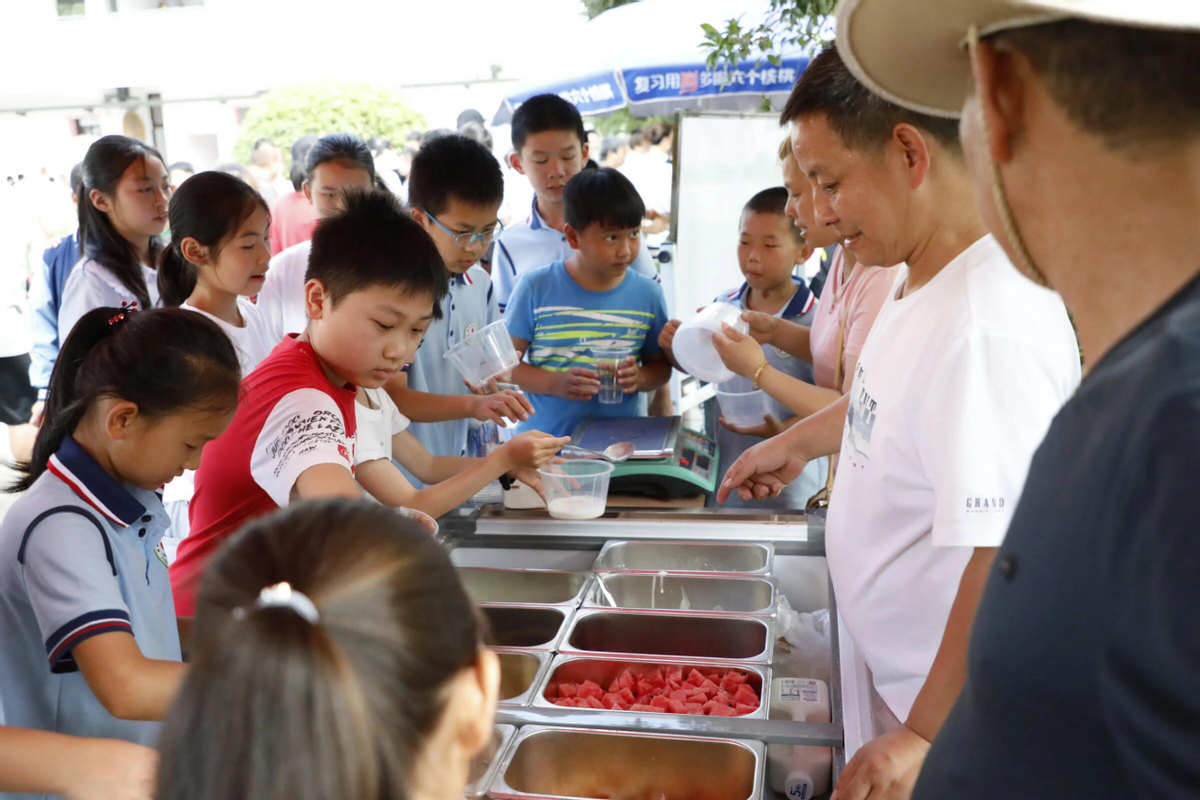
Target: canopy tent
647 57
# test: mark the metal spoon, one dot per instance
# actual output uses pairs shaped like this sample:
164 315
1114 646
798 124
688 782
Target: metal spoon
615 452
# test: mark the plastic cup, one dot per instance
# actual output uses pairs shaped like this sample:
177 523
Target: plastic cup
694 348
576 489
608 359
484 354
745 409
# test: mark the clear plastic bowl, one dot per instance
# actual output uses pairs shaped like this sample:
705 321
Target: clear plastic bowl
693 346
576 489
484 354
745 409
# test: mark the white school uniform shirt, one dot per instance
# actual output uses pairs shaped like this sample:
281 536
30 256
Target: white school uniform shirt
532 244
92 285
80 556
377 426
253 344
281 299
954 390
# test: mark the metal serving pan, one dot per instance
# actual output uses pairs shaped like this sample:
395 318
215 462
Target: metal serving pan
577 669
691 594
526 627
553 763
541 587
669 637
687 557
485 765
521 671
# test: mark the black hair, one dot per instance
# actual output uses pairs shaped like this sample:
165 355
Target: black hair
545 112
300 149
185 166
415 136
105 163
373 242
260 142
378 144
862 120
610 145
635 138
339 147
347 700
468 115
454 168
436 133
164 360
210 208
773 201
477 131
660 131
76 177
602 196
239 171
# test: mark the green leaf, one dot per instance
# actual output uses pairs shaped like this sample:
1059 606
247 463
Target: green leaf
775 60
709 29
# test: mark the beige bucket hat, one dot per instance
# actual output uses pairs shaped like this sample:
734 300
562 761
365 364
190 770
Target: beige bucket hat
913 52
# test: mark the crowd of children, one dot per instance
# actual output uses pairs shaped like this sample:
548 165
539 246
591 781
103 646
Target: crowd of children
317 374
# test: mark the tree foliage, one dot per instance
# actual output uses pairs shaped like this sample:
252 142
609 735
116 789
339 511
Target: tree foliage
593 8
788 24
284 115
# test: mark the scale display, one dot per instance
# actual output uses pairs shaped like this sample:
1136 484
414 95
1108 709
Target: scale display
670 461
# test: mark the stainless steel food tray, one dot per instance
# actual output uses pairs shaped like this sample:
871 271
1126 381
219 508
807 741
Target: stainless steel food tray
552 763
521 672
669 637
541 587
576 669
526 627
686 557
486 765
701 594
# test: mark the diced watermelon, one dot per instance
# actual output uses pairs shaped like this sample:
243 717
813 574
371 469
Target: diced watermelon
592 702
722 711
661 702
724 698
680 695
657 680
590 689
565 702
677 707
627 680
675 685
745 696
709 706
734 677
695 708
614 687
729 684
698 697
695 678
611 701
644 699
644 686
708 687
675 674
568 689
741 709
627 695
645 708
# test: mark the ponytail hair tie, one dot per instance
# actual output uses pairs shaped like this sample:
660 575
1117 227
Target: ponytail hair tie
282 595
126 309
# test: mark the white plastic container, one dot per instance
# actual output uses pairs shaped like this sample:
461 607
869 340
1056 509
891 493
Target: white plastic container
744 409
799 773
484 354
576 489
693 346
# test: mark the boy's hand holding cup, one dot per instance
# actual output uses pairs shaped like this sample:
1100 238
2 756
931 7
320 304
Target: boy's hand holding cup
577 383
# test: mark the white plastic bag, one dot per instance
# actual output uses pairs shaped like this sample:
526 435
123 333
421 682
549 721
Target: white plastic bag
804 646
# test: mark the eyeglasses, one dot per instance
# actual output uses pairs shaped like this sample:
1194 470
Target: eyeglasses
467 239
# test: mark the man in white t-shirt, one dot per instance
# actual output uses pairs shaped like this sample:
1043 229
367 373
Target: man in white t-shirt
965 367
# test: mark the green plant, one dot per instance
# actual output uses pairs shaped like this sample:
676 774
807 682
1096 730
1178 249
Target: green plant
284 115
622 121
788 24
594 8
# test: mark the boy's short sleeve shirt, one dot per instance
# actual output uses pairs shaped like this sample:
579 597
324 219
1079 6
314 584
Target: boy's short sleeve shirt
468 307
562 321
533 244
801 309
281 300
290 418
377 426
80 556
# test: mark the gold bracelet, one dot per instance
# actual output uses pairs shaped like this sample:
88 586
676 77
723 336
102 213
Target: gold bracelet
758 373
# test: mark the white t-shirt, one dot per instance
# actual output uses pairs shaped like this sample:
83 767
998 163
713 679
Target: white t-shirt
252 345
253 342
954 390
281 300
92 285
377 426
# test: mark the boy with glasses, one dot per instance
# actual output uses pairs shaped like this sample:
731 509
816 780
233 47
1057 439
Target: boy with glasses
454 190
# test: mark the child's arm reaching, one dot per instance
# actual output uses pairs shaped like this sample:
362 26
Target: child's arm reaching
458 479
791 338
129 685
577 383
426 407
41 762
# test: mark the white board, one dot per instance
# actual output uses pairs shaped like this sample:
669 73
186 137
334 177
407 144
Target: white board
721 161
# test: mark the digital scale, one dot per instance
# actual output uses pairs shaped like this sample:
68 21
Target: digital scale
669 461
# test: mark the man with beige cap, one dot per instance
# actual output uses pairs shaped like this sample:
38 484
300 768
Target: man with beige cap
1081 126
